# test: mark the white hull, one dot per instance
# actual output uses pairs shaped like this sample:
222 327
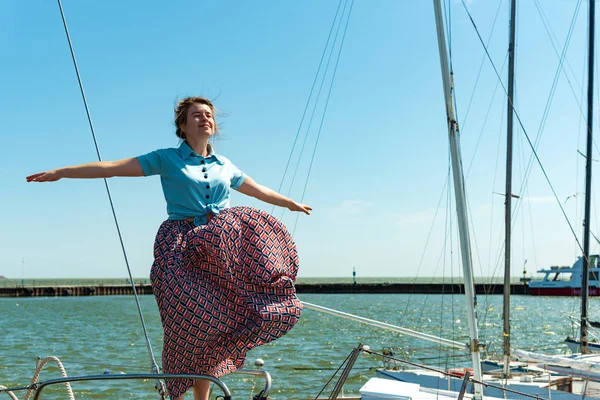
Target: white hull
377 388
560 386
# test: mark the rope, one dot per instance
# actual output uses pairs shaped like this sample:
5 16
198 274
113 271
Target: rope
155 367
10 394
39 368
33 385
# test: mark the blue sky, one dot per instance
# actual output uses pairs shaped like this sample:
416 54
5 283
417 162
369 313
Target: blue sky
382 159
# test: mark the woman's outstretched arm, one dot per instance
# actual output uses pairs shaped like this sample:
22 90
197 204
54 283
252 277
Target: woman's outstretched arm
251 188
100 169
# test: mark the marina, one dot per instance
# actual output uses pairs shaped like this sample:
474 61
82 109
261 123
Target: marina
420 336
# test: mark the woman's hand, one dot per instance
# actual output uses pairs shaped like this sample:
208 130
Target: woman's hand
300 208
48 176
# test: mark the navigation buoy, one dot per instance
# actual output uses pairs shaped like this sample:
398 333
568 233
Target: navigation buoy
259 362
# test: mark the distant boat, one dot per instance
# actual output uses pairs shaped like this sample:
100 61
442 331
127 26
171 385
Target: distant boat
567 281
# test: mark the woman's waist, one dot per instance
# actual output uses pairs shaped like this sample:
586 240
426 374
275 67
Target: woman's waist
199 218
201 214
207 216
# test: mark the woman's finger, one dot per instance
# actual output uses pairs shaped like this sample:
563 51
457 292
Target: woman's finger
34 176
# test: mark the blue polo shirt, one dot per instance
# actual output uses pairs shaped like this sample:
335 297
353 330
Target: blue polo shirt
193 185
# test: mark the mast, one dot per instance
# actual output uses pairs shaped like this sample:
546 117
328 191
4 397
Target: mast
588 182
459 191
508 194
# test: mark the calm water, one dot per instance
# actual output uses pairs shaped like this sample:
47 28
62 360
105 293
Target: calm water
94 334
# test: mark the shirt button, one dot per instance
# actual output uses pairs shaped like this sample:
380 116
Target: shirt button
203 169
206 175
202 162
208 186
207 196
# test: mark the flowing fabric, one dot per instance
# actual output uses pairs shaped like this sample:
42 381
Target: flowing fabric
222 289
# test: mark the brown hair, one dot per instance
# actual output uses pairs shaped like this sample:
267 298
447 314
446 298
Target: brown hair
182 109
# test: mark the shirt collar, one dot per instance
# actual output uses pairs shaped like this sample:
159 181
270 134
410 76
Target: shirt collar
186 152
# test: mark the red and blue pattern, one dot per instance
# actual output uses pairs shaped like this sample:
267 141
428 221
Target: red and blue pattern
222 289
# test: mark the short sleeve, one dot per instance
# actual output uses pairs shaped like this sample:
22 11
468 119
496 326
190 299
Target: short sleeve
151 163
237 177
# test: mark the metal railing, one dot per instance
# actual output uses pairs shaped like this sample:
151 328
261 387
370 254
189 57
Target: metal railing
38 387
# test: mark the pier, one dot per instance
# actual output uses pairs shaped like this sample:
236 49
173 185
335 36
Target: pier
324 288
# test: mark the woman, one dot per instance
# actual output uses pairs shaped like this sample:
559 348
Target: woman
223 277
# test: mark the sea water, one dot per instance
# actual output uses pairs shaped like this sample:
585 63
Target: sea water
103 334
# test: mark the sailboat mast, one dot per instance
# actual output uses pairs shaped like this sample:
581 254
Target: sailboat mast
508 194
459 191
588 182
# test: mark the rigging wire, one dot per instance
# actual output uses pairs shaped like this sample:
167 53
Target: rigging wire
458 132
324 111
444 249
448 224
112 207
491 103
501 240
316 100
560 67
308 101
480 69
471 162
532 146
581 112
546 111
561 60
443 191
553 37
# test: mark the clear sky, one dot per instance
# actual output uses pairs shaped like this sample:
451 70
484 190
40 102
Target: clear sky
381 164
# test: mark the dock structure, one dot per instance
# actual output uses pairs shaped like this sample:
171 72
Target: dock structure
341 288
409 288
86 290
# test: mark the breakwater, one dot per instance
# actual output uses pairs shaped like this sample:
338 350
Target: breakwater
408 288
62 290
374 288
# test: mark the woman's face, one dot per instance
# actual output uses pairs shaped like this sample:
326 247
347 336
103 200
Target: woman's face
200 121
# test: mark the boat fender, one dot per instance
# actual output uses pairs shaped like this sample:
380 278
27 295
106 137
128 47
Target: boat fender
459 372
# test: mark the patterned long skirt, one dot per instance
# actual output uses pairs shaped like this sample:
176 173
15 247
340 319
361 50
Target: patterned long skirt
222 289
